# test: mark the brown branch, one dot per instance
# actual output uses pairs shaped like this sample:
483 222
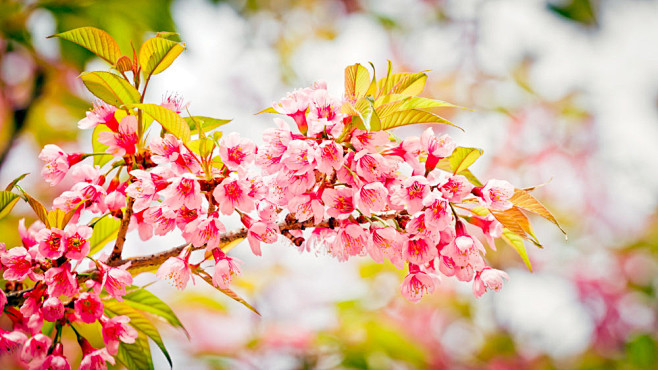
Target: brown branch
121 236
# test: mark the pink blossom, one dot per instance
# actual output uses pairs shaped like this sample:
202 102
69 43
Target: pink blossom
260 231
165 150
436 148
52 309
384 242
56 360
57 163
115 279
76 241
3 300
339 202
18 264
117 330
183 191
495 195
88 307
225 269
102 113
300 156
206 231
143 189
417 227
411 193
329 157
87 173
371 198
61 281
295 105
174 102
307 206
163 219
36 348
295 183
490 227
184 216
29 235
144 229
416 285
368 140
372 166
124 140
232 193
437 213
11 340
453 187
351 240
418 251
236 151
409 150
493 279
94 359
176 269
115 200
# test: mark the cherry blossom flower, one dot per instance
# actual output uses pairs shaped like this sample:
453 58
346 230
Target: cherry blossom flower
124 140
102 113
260 231
490 227
206 231
233 193
52 309
417 284
411 193
183 191
94 359
236 151
11 340
61 281
116 330
418 251
384 242
295 105
36 348
76 241
436 148
368 140
496 193
225 269
115 279
57 163
143 190
453 187
56 360
88 307
306 206
18 264
371 197
437 214
351 240
300 156
329 157
493 279
339 202
176 270
372 166
162 218
174 102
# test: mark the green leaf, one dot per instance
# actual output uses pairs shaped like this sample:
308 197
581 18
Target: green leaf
146 301
167 35
368 114
462 158
138 321
357 81
136 355
7 202
202 147
410 84
97 41
231 294
157 54
105 230
39 209
410 117
47 328
15 181
169 120
524 200
268 110
110 88
516 242
99 147
207 123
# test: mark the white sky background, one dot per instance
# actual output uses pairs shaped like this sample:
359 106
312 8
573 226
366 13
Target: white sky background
230 70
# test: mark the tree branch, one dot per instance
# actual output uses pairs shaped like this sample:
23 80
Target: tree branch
123 230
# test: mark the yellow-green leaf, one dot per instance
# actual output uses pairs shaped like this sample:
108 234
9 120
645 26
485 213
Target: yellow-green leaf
15 181
157 54
231 294
99 147
524 200
105 230
169 120
517 222
357 81
136 355
410 117
207 123
97 41
462 158
268 110
410 84
110 88
146 301
7 202
516 242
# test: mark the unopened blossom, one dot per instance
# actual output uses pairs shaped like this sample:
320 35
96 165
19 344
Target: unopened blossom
52 309
416 285
176 270
411 193
124 140
116 330
496 194
339 202
236 151
94 359
56 360
76 241
183 191
329 157
232 193
61 281
371 197
18 264
493 279
115 279
101 114
36 348
225 269
205 231
57 164
88 307
11 340
419 251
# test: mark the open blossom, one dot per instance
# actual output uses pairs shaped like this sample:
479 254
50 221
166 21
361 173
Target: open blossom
437 213
351 240
174 102
88 307
206 231
11 340
124 140
371 197
368 140
143 190
411 193
225 269
419 251
57 164
453 187
115 279
176 269
165 149
372 166
490 227
18 264
329 157
232 193
183 191
265 230
496 194
339 202
117 330
163 219
36 348
295 105
436 148
76 241
236 151
61 281
385 242
101 114
417 284
493 279
300 156
307 206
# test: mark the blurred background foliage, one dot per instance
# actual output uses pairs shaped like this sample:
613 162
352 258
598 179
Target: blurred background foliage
591 302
